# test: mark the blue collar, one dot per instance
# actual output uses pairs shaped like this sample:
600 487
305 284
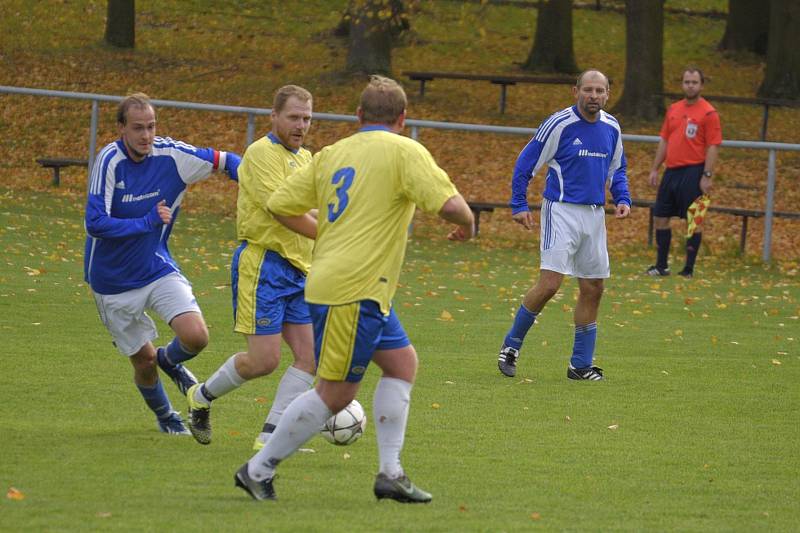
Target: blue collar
375 127
275 140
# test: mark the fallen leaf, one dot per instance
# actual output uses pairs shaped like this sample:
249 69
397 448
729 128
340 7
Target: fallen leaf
612 427
435 406
261 399
446 316
104 514
345 456
536 516
14 494
776 362
307 450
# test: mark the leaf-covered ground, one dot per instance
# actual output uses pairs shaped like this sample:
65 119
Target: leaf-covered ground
238 53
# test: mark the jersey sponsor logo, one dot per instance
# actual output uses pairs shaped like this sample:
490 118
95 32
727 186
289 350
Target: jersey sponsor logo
292 164
577 142
120 185
127 198
691 130
587 153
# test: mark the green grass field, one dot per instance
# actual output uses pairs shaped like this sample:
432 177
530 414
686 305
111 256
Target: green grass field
695 428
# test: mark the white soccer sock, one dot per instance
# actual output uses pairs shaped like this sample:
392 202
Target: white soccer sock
225 379
303 418
390 410
293 383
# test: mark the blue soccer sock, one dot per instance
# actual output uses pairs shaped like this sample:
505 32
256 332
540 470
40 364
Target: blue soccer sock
523 321
176 353
583 349
156 399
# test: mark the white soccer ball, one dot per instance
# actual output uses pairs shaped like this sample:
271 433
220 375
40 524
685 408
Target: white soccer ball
346 426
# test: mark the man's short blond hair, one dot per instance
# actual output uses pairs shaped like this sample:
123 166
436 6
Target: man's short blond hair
283 94
132 100
383 100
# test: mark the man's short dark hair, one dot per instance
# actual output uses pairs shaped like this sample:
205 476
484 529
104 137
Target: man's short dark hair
132 100
694 69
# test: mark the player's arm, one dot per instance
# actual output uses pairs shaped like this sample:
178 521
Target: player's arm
196 164
538 151
293 200
661 154
457 211
618 181
98 221
305 225
707 182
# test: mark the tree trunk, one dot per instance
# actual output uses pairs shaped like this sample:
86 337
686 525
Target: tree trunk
552 49
782 76
121 23
644 72
373 26
747 27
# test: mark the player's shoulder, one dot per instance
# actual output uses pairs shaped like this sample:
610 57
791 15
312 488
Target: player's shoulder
172 147
556 122
610 119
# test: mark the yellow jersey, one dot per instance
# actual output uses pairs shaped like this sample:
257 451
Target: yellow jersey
365 187
264 167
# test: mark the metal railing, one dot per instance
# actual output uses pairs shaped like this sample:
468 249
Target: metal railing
415 125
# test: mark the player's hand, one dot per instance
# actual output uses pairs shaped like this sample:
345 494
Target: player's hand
622 210
232 161
653 178
462 233
164 212
524 218
706 184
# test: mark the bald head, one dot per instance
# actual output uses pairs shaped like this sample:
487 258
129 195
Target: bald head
591 74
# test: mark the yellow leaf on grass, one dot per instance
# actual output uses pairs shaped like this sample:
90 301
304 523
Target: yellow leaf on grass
435 406
446 316
776 362
261 399
536 516
14 494
612 427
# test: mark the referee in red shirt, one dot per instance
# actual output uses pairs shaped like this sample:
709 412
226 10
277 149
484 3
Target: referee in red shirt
690 139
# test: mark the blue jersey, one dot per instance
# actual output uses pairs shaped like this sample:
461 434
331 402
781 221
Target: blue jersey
126 247
582 157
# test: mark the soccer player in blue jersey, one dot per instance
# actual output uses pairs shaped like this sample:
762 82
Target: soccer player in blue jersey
268 274
136 187
366 188
582 148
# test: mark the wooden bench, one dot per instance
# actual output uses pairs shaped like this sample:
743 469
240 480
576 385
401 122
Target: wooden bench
480 207
502 80
57 163
766 102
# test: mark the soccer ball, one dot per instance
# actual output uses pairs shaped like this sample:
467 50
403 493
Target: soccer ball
346 426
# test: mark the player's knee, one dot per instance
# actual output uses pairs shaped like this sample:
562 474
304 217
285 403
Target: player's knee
196 339
261 363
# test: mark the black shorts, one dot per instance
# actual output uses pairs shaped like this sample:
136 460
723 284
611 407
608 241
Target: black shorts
680 186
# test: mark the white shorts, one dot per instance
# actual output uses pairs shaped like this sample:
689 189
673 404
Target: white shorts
573 240
125 317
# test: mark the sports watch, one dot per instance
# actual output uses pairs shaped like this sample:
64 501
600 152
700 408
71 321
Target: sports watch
707 173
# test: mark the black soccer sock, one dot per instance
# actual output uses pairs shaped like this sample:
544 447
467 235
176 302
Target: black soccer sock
692 247
663 239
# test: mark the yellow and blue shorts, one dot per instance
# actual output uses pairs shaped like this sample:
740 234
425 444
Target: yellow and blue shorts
267 291
346 336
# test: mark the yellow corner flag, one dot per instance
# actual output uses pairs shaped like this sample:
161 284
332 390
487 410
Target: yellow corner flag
696 213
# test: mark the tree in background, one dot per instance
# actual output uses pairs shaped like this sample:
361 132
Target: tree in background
121 23
372 27
747 26
552 49
644 71
782 76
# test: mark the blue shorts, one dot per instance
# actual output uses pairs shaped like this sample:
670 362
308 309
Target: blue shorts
267 291
346 336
